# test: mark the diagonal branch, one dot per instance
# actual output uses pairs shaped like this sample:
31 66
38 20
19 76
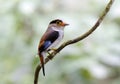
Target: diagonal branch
53 54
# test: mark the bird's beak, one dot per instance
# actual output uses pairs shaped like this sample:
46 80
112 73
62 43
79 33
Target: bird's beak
64 24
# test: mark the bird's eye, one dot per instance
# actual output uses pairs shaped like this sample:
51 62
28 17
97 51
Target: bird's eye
58 22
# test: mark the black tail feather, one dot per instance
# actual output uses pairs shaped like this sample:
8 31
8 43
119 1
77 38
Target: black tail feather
42 64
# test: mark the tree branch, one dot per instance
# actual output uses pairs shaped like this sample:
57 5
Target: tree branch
53 54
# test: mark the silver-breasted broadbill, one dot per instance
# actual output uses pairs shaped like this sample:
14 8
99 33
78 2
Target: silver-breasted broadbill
50 39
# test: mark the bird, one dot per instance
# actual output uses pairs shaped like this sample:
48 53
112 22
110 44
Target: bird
50 39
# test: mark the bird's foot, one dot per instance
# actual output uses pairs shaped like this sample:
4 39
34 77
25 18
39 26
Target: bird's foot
52 49
50 53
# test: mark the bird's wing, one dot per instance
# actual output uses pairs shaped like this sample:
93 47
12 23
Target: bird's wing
48 38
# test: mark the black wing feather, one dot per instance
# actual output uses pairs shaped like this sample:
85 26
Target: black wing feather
52 36
49 40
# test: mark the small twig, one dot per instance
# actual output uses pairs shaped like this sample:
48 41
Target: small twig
53 54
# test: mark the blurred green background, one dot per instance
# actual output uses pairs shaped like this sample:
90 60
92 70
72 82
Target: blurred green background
95 60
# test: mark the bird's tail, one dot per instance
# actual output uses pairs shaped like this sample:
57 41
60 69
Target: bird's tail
42 63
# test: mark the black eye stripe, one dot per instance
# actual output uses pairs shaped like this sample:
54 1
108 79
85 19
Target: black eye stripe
55 21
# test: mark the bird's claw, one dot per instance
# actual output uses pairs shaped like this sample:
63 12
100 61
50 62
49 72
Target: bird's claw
50 55
48 52
53 49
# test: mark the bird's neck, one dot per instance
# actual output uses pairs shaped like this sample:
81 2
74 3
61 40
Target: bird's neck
58 29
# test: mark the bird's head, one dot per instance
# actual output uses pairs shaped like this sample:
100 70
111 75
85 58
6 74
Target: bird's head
58 23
